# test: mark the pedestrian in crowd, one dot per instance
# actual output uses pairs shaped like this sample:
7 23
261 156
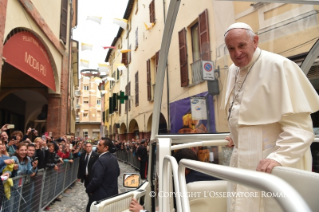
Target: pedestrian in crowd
4 161
87 161
51 158
4 139
22 167
40 148
105 172
269 100
34 159
68 150
142 157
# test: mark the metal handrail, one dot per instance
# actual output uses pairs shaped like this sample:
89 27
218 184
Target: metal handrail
200 143
253 179
165 183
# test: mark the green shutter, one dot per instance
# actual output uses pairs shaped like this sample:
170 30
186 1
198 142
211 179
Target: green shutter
115 102
111 105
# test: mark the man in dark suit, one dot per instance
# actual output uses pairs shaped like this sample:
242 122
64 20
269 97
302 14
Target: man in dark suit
142 157
86 163
105 172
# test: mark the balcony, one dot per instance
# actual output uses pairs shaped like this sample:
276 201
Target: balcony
78 106
77 93
77 119
197 72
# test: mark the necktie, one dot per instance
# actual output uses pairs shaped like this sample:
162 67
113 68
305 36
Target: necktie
86 161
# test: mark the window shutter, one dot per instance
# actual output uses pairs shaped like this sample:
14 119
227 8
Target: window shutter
148 80
156 59
115 102
183 57
64 20
126 102
129 93
118 74
110 105
103 114
107 115
136 38
124 59
204 35
120 107
129 56
136 89
152 11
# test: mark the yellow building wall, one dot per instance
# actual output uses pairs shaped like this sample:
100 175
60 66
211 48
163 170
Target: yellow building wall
51 13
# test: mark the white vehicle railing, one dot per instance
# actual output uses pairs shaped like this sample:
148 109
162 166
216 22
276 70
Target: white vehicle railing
165 179
256 180
200 143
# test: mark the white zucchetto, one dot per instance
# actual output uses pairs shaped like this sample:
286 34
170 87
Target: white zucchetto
238 25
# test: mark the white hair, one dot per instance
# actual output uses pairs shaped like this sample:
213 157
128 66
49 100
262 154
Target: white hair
250 33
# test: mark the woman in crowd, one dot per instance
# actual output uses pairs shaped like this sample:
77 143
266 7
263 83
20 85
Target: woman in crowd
51 157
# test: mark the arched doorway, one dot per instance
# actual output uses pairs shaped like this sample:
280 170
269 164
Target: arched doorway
162 125
24 108
123 132
28 74
133 130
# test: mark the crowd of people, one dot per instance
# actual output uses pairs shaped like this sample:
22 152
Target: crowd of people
139 149
19 155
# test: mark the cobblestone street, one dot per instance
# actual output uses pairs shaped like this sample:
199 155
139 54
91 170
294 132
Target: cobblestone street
75 199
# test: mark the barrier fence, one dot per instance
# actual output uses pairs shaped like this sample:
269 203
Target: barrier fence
128 157
34 194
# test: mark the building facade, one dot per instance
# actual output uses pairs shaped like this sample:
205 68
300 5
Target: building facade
197 40
37 78
88 109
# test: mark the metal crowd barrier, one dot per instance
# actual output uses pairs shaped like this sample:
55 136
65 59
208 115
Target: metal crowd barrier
30 194
128 157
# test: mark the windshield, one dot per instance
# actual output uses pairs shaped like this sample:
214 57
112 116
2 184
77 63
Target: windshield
194 90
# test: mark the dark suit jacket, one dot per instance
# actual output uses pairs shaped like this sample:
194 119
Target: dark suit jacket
82 165
104 178
142 153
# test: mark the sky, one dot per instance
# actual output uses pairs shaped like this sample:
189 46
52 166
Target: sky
98 35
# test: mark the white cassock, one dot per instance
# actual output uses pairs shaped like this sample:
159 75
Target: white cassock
270 118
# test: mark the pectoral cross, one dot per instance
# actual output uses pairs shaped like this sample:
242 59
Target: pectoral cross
230 109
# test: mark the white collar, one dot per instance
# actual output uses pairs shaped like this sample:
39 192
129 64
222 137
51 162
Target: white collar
103 153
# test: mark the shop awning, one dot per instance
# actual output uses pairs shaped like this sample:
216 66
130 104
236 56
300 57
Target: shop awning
27 53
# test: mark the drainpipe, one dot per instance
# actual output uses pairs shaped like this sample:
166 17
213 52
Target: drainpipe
68 87
167 82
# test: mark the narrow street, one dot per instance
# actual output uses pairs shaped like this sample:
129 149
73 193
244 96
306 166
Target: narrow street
75 199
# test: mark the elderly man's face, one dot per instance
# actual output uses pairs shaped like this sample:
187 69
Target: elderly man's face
240 46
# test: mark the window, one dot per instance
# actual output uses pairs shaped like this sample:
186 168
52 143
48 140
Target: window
124 58
85 134
86 87
129 56
85 114
136 90
85 102
200 49
64 20
98 102
195 42
128 93
183 57
148 79
136 6
152 11
136 38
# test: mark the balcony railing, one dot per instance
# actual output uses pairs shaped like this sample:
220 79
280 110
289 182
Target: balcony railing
197 72
77 93
77 119
78 106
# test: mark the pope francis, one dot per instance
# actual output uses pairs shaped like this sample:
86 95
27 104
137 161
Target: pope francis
268 103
